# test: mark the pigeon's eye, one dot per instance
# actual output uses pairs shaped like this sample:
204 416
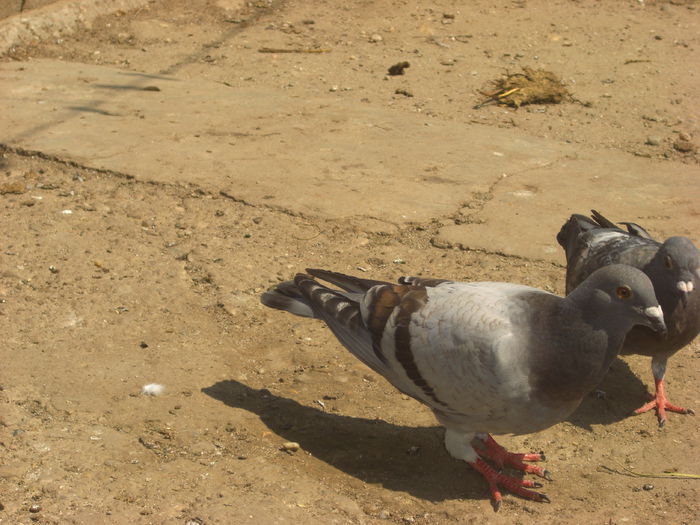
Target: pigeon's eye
623 292
668 262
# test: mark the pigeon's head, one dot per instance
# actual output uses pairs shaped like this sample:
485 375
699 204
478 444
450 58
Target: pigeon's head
678 259
623 295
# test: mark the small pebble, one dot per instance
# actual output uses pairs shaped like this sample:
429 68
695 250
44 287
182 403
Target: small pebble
653 141
290 446
35 508
375 38
399 68
648 486
684 146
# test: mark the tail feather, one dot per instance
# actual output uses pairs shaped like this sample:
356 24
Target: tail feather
632 228
288 297
340 309
603 221
346 282
635 229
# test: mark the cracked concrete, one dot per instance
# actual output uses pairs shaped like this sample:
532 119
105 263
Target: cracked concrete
535 201
342 160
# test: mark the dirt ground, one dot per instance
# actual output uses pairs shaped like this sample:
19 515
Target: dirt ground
108 283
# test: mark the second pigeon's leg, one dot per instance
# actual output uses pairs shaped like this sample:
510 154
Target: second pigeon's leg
458 444
501 457
659 401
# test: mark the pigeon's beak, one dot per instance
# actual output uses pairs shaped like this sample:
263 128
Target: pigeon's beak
655 317
685 287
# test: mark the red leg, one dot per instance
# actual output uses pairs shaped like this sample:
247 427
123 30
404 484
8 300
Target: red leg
517 486
661 404
501 457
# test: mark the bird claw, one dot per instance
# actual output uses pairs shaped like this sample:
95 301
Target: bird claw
500 456
661 404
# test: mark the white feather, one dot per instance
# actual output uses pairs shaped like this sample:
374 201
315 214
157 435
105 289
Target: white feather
152 389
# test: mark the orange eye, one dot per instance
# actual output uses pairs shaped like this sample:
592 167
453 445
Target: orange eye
623 292
668 262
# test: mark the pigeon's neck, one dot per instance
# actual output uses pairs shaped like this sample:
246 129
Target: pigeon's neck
565 371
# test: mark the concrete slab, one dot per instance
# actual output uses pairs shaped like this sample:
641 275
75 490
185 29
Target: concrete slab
335 158
327 156
526 211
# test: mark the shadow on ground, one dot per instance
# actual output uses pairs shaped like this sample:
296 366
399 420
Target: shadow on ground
376 451
371 450
621 392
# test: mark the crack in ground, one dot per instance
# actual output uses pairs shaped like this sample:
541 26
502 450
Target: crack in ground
432 226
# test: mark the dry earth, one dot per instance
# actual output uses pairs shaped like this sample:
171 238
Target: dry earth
108 282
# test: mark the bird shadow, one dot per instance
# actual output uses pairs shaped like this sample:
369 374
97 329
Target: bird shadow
397 457
616 397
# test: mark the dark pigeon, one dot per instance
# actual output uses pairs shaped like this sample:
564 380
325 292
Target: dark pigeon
485 357
672 266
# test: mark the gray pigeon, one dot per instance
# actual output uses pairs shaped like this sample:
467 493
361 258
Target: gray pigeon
485 357
672 267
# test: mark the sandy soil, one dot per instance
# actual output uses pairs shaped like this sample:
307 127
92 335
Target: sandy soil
108 283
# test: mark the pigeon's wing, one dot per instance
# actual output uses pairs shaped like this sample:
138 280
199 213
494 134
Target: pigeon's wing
466 347
635 229
453 346
592 244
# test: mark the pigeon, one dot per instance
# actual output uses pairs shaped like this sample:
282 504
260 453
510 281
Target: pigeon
485 357
672 266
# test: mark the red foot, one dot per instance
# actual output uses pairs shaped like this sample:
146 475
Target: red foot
501 457
515 485
661 404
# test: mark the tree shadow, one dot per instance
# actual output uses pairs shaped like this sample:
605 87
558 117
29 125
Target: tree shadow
623 391
400 458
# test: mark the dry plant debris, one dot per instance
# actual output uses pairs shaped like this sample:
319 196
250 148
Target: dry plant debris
532 86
